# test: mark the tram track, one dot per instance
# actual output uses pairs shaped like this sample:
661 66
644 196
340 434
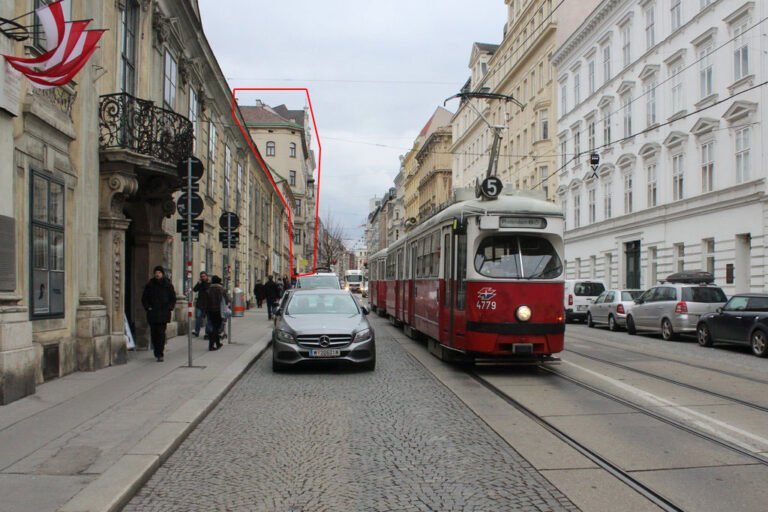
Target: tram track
662 358
671 381
624 476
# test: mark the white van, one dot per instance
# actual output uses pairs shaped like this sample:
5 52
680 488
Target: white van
579 294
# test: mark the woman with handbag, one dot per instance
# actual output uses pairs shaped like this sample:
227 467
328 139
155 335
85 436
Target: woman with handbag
218 306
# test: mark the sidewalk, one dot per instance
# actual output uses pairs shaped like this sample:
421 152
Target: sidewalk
86 441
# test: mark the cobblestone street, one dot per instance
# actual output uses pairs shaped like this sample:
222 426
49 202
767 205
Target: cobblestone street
341 440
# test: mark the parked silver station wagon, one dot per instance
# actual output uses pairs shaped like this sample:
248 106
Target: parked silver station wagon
675 306
322 324
611 308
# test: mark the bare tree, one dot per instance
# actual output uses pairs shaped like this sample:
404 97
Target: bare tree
330 246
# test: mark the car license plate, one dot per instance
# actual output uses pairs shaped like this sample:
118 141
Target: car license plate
581 308
325 352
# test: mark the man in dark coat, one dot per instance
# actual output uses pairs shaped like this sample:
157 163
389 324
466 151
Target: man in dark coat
158 299
202 294
259 293
272 294
216 293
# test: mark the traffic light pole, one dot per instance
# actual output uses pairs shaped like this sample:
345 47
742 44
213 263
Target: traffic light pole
189 262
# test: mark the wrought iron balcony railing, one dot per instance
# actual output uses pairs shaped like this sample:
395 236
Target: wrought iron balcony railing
126 122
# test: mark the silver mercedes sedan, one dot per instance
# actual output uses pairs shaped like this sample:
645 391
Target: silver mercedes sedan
322 325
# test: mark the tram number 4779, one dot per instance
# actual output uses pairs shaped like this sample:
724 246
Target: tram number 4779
485 304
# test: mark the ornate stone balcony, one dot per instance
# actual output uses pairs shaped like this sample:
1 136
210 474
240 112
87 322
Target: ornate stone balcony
136 125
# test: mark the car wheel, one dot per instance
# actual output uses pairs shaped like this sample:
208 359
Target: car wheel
667 332
703 335
759 343
612 326
631 325
368 366
590 323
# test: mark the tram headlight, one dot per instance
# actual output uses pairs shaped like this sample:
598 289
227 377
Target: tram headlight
523 313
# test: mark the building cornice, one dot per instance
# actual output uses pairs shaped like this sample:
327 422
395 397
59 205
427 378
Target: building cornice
585 29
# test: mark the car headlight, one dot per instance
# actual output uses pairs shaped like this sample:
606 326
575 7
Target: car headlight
363 335
284 336
523 313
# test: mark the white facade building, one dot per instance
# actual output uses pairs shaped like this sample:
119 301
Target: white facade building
663 91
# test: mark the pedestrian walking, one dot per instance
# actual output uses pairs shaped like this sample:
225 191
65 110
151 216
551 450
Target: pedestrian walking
286 283
272 294
258 292
216 301
158 299
202 296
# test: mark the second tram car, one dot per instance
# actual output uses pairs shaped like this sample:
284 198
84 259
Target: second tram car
481 279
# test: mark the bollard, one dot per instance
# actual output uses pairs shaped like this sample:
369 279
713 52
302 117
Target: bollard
238 303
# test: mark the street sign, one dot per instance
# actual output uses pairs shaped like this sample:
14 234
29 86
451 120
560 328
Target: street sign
233 236
195 187
197 205
491 186
234 220
195 237
197 169
197 226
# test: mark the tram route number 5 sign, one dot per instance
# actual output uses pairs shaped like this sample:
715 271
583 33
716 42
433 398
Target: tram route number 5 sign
491 187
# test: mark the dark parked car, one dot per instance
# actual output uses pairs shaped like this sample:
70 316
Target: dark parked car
322 324
742 321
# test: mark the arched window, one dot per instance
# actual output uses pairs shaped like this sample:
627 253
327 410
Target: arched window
292 146
270 148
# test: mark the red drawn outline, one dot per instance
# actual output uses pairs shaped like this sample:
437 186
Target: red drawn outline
264 167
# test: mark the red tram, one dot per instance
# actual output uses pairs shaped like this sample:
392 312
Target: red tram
481 279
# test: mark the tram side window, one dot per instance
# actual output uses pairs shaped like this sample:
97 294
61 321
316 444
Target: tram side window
512 256
435 254
420 259
461 272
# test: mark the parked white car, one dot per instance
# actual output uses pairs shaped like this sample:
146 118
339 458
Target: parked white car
611 308
579 294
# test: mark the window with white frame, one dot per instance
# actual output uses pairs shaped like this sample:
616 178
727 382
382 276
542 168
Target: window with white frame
679 251
606 127
564 201
211 158
705 3
650 26
541 75
193 117
292 178
741 50
576 145
563 155
707 166
677 177
626 42
169 81
576 89
544 179
544 123
591 75
626 102
576 209
650 103
292 149
676 79
627 192
706 72
743 146
607 199
591 142
708 250
591 205
239 189
563 99
47 227
652 196
227 171
675 14
606 63
270 148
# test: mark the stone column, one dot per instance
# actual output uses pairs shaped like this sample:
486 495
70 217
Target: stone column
95 352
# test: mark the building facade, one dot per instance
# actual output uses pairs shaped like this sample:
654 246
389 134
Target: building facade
664 92
91 183
434 172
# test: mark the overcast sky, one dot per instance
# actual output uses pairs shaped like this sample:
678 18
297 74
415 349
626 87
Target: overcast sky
375 72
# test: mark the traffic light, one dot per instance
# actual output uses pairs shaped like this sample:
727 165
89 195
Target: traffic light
334 261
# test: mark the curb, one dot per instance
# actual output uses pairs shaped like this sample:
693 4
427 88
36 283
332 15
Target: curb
114 488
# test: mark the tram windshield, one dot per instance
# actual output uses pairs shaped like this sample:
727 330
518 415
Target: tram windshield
517 256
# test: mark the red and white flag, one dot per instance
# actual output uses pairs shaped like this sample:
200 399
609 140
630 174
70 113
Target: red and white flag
69 48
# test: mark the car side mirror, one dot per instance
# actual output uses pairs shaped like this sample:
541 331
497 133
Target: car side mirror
278 311
365 310
719 310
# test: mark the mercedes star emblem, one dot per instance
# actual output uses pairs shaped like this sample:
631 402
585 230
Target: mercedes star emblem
325 341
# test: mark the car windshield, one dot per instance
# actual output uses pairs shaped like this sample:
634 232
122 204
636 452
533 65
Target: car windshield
513 256
321 304
630 295
318 282
354 279
703 294
588 289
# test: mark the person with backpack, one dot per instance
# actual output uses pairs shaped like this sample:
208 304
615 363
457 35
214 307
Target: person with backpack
217 304
272 293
